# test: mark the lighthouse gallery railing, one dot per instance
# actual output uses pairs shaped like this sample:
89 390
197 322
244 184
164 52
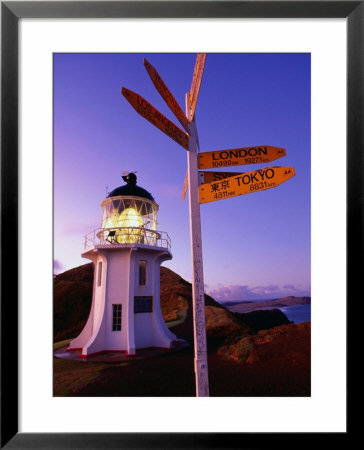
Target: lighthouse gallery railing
127 235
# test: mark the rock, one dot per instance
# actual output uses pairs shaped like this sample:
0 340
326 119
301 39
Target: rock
288 343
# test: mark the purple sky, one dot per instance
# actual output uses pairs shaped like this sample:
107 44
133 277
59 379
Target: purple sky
254 246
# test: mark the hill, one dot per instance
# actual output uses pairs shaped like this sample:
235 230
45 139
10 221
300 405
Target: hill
72 297
243 307
263 319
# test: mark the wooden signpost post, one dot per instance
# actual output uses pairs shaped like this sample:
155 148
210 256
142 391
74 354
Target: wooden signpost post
206 186
198 296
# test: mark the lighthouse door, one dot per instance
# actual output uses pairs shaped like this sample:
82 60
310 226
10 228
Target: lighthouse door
143 328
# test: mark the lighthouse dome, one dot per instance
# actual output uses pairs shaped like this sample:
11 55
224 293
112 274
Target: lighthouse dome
128 213
131 189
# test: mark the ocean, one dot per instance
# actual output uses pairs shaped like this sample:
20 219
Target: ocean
297 313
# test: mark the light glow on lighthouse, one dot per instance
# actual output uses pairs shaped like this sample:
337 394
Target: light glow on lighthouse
130 218
132 226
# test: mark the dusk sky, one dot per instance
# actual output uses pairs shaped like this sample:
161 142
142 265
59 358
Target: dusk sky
255 246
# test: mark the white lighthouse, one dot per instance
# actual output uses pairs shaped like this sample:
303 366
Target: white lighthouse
127 252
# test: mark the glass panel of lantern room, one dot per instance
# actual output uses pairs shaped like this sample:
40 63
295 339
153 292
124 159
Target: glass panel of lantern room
109 216
133 216
139 208
104 216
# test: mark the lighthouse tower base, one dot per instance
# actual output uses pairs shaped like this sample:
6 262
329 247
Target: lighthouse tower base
125 313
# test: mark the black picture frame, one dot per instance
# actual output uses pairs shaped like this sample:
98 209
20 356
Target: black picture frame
11 12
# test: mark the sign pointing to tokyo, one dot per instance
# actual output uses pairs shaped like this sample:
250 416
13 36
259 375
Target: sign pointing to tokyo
166 94
245 183
239 156
145 109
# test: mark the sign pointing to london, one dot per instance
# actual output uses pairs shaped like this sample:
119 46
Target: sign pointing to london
166 94
145 109
245 183
196 82
239 156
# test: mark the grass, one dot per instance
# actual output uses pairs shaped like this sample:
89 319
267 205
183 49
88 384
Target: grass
181 317
69 376
239 351
279 365
243 348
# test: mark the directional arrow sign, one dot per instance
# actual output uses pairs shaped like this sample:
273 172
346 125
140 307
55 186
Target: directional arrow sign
150 113
210 177
196 82
245 183
239 156
166 94
185 186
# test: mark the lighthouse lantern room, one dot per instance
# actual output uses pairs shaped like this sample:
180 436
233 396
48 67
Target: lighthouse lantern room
127 252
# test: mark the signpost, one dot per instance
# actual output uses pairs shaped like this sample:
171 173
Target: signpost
150 113
206 186
245 183
239 156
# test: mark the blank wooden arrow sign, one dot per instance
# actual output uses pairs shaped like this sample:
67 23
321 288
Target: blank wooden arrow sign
146 110
166 94
210 177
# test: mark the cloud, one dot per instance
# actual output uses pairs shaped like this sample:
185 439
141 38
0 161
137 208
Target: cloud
237 292
76 228
57 266
265 289
232 292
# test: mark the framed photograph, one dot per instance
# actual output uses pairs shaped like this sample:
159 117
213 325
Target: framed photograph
51 54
